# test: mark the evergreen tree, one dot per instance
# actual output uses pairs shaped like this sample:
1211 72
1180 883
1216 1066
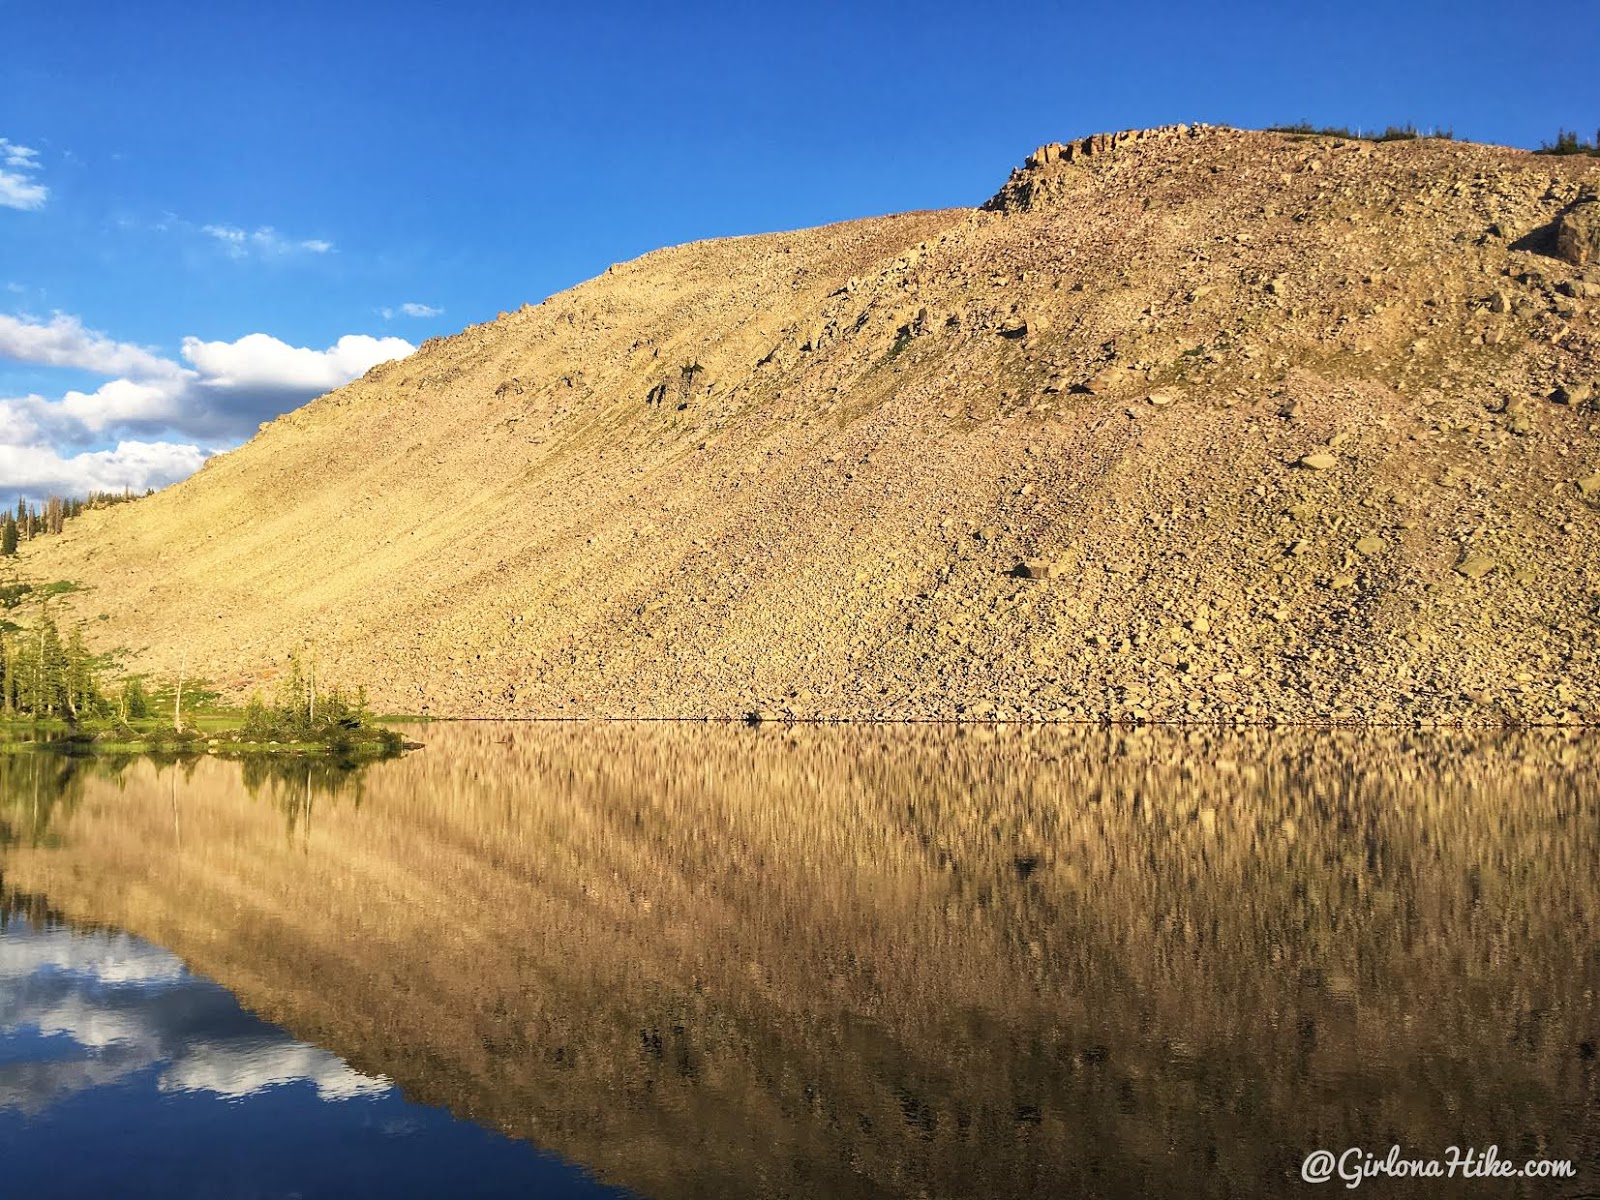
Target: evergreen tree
135 703
43 676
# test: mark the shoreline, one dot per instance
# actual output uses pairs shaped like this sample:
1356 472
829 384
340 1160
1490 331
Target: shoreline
214 735
755 720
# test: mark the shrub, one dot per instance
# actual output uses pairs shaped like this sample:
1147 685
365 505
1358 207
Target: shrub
1568 142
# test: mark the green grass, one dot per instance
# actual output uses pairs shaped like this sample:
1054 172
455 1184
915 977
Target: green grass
220 734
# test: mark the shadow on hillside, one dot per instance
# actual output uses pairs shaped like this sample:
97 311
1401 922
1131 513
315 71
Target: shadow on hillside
1543 239
1540 241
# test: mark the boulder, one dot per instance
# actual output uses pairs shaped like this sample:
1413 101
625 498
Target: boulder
1578 233
1573 393
1111 379
1040 568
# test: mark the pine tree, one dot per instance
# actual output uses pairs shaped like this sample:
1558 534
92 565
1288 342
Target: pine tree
8 536
51 693
135 704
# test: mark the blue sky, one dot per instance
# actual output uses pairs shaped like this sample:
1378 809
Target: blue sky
231 189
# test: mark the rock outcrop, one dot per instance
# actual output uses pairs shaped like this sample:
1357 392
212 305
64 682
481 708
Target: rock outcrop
1578 233
1041 175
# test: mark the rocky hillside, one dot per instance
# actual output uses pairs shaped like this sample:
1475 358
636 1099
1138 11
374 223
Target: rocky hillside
1187 424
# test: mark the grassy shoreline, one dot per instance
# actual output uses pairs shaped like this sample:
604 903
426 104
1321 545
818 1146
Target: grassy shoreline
218 734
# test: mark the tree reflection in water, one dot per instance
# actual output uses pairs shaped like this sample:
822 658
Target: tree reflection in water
905 961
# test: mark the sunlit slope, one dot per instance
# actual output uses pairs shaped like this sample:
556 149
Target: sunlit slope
1271 414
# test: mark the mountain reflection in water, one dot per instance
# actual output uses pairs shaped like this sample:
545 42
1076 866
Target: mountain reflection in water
124 1074
712 961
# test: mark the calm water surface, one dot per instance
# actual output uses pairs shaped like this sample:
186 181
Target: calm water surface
684 961
122 1073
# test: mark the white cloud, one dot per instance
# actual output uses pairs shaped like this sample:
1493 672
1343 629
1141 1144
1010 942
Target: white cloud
19 420
127 402
64 342
230 237
264 242
160 412
412 309
262 362
79 418
18 187
17 156
40 470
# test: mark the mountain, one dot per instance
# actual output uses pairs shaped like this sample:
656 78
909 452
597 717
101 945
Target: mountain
1186 423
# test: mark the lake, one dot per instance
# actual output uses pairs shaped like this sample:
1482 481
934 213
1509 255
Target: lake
686 960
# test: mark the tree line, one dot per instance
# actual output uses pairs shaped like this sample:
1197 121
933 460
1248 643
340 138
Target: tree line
1392 133
29 521
1567 141
45 675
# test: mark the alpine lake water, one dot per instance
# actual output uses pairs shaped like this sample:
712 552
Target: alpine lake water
688 960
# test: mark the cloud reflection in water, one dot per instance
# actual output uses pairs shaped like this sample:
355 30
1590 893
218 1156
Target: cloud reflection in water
119 1005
